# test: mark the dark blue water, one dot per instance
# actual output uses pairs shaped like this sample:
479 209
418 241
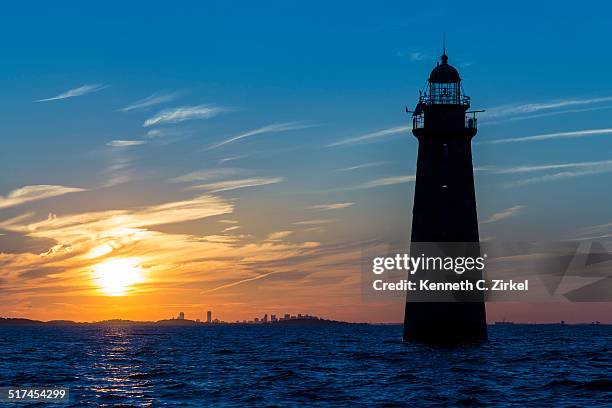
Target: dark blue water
309 366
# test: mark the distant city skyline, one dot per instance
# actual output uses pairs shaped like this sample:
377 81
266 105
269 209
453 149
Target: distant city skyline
238 159
263 319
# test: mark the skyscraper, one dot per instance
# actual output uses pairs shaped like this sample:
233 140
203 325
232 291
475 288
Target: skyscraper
209 316
444 211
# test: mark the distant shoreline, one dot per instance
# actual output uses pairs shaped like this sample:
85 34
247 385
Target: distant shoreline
10 321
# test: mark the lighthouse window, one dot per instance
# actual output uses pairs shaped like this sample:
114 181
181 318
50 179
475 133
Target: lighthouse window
445 93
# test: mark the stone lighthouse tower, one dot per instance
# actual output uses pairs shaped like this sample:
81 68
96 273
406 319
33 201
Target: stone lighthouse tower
444 213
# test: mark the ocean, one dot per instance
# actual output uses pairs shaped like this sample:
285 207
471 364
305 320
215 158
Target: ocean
341 365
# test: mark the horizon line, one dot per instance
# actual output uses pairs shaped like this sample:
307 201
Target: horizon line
222 322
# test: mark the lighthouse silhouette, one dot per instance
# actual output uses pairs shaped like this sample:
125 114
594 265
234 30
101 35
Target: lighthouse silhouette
444 212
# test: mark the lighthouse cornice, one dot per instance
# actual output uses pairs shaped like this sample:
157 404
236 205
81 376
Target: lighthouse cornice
443 135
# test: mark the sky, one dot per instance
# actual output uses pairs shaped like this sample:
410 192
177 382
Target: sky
233 157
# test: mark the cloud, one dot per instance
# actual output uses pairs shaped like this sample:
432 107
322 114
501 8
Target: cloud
33 193
17 219
362 166
315 222
544 167
273 128
125 143
606 168
369 137
228 185
326 207
156 133
232 158
544 114
414 56
279 235
228 221
381 182
548 136
63 227
233 228
71 93
519 109
149 101
184 113
314 229
165 132
205 175
505 214
570 170
387 181
251 279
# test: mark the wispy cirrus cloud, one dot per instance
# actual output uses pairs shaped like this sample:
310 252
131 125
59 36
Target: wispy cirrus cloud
34 193
520 109
589 171
232 158
315 222
327 207
242 281
314 229
228 185
488 122
279 235
232 228
413 55
17 219
158 133
63 227
125 143
151 100
207 175
228 221
363 166
505 214
273 128
549 136
184 113
71 93
564 171
380 182
370 137
387 181
544 167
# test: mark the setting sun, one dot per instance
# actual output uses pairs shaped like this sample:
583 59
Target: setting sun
116 276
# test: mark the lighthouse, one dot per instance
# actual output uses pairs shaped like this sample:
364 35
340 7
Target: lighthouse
444 212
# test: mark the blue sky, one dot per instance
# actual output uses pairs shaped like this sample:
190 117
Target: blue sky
147 93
